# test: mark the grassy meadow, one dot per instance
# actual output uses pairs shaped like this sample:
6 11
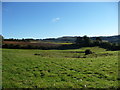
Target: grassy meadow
32 68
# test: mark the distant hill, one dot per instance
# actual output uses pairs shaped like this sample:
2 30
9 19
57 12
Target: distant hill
71 39
66 42
68 39
112 39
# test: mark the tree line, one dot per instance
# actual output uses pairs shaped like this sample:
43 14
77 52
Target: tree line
84 41
87 42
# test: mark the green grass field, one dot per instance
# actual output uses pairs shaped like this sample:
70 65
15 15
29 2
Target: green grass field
59 68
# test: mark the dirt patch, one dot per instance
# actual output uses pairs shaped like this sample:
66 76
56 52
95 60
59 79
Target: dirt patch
74 52
106 54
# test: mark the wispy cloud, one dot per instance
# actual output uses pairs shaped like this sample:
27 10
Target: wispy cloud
56 19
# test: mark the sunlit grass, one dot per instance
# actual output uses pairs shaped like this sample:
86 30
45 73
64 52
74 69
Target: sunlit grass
59 69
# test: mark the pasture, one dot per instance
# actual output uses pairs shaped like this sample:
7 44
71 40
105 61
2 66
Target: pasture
32 68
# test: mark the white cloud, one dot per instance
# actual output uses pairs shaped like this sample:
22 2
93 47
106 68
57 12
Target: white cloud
56 19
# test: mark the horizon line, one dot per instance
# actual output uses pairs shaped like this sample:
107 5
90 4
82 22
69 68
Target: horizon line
62 36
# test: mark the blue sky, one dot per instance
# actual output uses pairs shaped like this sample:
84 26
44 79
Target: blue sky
56 19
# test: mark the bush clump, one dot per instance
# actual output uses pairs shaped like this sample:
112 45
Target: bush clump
88 51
